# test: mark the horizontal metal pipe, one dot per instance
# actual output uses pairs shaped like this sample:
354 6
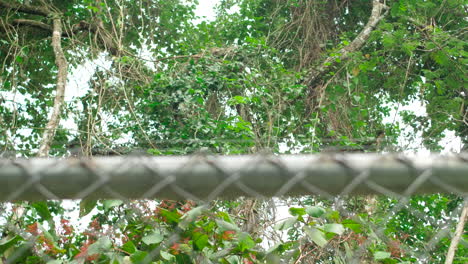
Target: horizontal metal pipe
208 177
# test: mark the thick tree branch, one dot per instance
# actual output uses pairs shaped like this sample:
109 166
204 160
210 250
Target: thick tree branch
29 9
356 44
61 62
32 23
104 37
83 25
458 233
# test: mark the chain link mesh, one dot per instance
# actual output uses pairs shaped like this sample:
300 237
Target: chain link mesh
201 180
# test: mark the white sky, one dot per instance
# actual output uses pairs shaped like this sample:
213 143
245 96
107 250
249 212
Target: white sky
205 10
450 142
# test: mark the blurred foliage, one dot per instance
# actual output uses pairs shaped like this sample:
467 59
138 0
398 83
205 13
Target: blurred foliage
155 77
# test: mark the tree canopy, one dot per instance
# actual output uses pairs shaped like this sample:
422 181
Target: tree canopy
108 77
305 73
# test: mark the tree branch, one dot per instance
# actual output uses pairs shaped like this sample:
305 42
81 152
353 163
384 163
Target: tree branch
32 23
83 25
102 35
456 237
355 45
29 9
61 62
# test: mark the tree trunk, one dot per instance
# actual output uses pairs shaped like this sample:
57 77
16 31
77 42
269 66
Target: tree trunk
61 62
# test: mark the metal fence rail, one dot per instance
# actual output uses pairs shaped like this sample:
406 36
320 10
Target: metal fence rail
204 178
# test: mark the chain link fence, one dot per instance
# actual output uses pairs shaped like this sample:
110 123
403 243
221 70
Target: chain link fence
339 182
204 178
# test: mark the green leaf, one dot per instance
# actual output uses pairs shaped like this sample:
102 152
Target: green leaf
108 204
191 216
153 238
440 87
245 241
167 256
238 100
200 240
129 247
334 228
42 210
116 258
19 59
225 216
5 244
171 216
409 47
317 236
185 248
315 211
93 8
388 41
226 226
7 85
353 225
286 223
138 256
101 245
380 255
333 215
386 26
440 58
297 211
86 206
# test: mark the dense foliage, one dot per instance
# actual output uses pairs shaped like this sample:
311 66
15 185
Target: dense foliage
263 75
